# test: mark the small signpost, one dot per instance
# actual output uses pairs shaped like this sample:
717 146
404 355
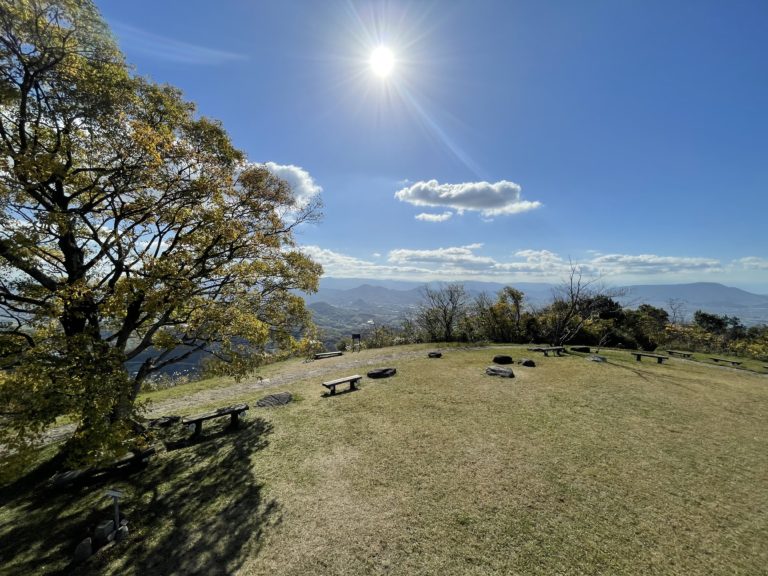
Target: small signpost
115 495
356 343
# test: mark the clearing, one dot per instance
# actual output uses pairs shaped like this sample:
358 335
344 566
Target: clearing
571 467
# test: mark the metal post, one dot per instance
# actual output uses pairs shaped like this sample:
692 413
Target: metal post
115 495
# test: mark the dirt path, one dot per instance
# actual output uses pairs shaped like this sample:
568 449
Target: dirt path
184 405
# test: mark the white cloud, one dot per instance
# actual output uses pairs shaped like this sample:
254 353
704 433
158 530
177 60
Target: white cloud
303 185
538 263
753 263
344 266
490 200
434 217
455 257
646 264
455 263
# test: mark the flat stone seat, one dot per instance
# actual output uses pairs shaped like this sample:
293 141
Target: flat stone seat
499 371
435 355
502 359
279 399
382 373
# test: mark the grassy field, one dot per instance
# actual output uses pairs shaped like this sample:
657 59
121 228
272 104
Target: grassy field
573 467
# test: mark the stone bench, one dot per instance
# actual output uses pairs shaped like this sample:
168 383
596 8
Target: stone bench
131 460
232 411
731 362
354 379
558 350
322 355
659 359
680 353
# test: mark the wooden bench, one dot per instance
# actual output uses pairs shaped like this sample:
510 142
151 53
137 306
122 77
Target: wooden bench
354 379
659 358
232 411
129 461
322 355
731 362
558 350
680 353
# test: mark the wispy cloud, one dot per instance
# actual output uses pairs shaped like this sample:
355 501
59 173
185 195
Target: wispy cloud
169 49
497 199
425 217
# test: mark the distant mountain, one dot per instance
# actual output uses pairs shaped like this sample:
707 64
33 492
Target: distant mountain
372 296
704 292
708 296
353 302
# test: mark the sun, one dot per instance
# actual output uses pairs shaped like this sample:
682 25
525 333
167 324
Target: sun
382 61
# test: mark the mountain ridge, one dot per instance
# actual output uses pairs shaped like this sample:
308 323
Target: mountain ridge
385 301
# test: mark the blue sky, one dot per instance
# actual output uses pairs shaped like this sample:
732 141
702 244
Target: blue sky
630 138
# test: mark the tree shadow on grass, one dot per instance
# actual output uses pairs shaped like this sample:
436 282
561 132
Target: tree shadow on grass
198 509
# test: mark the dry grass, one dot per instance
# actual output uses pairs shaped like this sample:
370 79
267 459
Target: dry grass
573 467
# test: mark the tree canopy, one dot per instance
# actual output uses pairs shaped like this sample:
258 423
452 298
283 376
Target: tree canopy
130 228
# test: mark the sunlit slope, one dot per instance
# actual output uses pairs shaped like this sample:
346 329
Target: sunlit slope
572 467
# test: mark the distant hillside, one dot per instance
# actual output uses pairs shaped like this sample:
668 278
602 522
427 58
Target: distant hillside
345 305
705 292
708 296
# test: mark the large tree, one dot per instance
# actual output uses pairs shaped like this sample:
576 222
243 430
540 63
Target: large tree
576 301
441 311
130 228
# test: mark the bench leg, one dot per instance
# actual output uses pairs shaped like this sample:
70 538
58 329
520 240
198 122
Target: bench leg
637 357
352 384
198 429
333 390
234 420
659 360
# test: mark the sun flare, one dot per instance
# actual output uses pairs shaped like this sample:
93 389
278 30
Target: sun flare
382 61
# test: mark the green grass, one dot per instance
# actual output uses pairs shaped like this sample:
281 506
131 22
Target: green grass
573 467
